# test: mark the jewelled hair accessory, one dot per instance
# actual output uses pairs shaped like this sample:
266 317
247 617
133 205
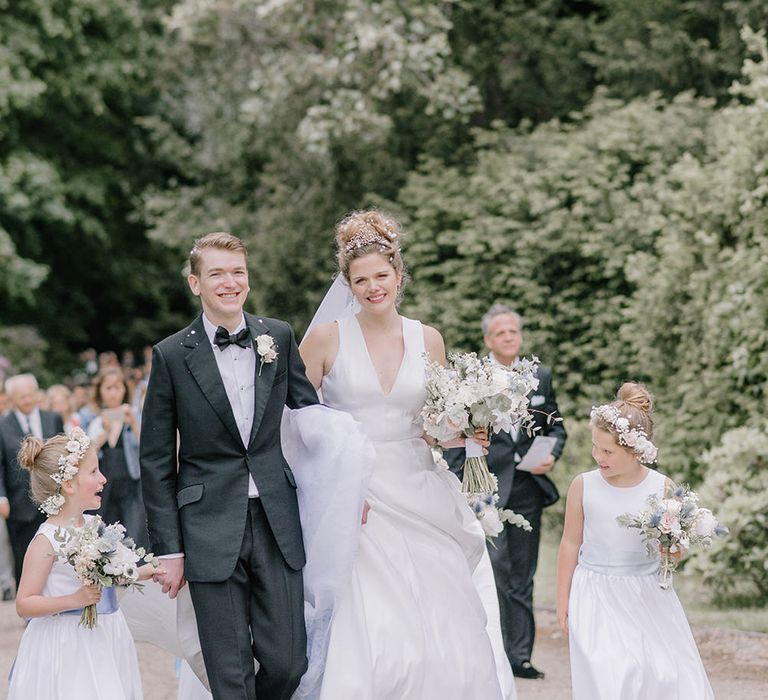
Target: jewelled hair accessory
634 438
368 235
75 450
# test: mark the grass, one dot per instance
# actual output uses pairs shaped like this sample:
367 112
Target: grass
692 595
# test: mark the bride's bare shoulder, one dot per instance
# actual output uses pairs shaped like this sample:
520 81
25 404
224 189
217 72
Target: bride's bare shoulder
433 343
324 336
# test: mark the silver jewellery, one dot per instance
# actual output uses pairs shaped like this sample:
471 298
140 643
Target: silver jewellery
634 438
368 235
76 448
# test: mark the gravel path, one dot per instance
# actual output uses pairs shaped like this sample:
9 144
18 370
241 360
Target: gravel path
737 662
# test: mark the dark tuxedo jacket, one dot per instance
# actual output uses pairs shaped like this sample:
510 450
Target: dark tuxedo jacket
201 509
503 452
14 480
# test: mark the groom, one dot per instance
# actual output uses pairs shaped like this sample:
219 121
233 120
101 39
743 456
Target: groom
226 518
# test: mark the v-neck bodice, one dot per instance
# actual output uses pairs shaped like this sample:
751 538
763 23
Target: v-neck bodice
353 386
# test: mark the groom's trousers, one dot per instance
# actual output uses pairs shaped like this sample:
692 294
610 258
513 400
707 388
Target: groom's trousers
257 613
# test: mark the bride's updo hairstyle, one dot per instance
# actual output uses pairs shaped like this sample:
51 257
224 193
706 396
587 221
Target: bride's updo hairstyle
369 231
635 403
41 460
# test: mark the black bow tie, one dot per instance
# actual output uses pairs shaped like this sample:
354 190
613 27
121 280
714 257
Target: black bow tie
223 339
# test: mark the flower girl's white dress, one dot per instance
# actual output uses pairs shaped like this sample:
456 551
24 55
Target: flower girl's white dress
410 624
629 638
60 660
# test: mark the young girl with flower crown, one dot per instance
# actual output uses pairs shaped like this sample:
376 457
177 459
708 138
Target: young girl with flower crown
58 659
628 637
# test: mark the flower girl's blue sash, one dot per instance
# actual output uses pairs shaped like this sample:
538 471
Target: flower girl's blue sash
107 605
616 563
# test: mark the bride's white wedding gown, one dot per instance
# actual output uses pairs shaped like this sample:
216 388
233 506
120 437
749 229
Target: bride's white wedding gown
410 625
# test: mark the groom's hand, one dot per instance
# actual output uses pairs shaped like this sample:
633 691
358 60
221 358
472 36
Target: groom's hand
173 576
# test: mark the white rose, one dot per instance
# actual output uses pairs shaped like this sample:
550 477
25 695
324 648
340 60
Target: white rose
705 523
492 526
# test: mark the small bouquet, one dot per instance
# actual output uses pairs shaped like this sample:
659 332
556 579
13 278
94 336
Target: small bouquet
473 393
673 523
101 555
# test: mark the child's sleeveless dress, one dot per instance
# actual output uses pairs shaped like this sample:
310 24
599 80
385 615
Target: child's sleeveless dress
60 660
629 639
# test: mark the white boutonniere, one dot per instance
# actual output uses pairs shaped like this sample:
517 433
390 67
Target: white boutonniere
266 347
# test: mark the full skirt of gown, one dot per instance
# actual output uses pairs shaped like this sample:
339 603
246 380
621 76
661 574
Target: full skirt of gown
411 625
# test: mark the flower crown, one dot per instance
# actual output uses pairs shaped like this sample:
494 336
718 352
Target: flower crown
368 235
75 450
634 438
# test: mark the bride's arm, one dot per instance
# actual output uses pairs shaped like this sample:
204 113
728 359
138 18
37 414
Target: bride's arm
434 345
318 350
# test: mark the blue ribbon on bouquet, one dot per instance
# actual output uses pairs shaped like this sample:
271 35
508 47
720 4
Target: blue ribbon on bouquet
107 605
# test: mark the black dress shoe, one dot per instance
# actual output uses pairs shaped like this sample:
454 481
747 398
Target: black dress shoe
526 670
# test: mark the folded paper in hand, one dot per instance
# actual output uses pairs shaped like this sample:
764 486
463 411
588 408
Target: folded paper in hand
540 449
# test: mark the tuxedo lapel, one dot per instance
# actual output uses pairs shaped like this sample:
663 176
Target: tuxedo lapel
202 365
264 375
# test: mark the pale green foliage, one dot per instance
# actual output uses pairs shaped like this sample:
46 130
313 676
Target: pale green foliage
25 350
545 221
634 243
280 117
736 488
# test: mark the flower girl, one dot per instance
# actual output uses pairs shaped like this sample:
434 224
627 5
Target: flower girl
628 637
58 659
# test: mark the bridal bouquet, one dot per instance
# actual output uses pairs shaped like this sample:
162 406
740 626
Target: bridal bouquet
491 517
673 523
472 393
485 506
101 555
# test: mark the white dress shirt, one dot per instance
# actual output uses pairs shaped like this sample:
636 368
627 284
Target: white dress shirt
31 422
237 367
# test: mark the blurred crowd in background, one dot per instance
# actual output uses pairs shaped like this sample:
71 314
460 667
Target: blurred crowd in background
104 398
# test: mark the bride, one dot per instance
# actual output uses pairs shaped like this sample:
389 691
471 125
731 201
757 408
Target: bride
410 623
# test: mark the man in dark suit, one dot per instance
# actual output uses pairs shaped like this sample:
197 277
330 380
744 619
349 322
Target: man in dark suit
516 552
25 418
228 519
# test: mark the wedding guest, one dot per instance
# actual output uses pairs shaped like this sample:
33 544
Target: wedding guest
108 360
115 436
60 401
90 361
628 637
516 552
5 403
58 658
81 394
6 554
26 418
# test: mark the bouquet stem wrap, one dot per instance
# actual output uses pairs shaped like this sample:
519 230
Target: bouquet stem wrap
89 616
667 567
477 477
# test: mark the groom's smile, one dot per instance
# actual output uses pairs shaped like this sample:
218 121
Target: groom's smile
222 285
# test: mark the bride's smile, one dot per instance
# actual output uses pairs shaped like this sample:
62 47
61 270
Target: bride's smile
374 282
